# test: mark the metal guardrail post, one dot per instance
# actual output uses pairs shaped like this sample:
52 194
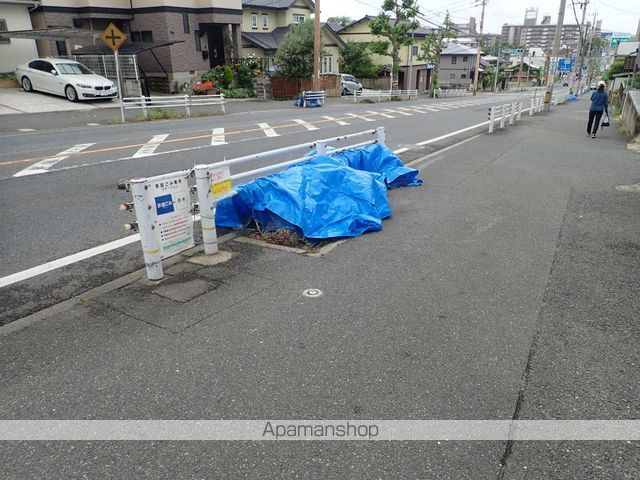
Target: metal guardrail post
380 136
355 96
492 114
207 210
532 106
143 104
186 105
222 103
519 111
511 113
150 246
502 115
321 147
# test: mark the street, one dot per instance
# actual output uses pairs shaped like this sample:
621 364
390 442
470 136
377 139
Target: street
504 288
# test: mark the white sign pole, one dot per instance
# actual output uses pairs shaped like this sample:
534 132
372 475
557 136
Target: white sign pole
115 54
150 245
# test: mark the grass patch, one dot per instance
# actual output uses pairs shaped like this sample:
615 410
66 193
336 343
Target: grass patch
8 76
158 113
367 100
396 99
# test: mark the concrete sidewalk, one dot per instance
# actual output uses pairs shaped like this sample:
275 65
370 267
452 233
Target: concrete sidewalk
505 287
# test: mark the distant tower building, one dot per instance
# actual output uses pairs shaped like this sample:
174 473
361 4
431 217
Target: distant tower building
638 32
546 20
531 16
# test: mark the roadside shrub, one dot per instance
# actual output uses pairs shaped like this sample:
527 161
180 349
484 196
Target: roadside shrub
203 88
214 75
237 92
396 99
245 74
158 113
227 77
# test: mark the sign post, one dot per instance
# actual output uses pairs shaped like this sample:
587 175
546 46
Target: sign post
113 38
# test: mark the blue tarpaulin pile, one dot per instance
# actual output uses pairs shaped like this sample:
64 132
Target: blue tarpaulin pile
340 195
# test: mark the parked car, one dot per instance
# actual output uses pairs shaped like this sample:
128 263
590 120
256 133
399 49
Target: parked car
349 84
64 77
593 86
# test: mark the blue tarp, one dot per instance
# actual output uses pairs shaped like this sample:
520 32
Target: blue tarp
311 102
343 195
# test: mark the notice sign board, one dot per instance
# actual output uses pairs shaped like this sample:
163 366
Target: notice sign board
171 214
220 182
565 64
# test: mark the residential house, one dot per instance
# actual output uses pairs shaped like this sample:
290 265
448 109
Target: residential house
175 40
414 73
14 15
266 22
457 66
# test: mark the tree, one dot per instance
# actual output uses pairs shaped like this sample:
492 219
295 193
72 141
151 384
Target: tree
342 20
432 47
615 68
294 58
355 59
397 31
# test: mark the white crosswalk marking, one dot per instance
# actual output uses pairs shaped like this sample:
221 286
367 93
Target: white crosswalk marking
366 119
44 165
339 122
268 131
151 146
397 111
306 125
385 115
217 136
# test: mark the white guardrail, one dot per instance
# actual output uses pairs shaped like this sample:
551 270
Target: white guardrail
313 95
165 213
451 92
185 101
513 112
380 94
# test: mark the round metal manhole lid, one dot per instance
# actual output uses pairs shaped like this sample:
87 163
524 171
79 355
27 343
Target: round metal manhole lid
312 293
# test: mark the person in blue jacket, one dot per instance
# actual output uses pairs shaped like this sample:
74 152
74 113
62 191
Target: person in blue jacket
599 104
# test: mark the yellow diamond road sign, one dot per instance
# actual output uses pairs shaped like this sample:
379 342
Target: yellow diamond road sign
113 37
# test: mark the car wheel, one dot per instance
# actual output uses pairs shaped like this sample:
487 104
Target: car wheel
345 92
71 93
26 84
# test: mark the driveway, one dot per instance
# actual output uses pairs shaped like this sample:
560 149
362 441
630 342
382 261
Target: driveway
16 100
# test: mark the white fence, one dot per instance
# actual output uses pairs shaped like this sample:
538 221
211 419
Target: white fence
165 212
185 101
451 92
383 94
510 111
311 95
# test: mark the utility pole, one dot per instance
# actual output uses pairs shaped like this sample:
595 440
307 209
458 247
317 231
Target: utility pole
477 72
316 47
496 73
520 69
556 50
593 32
583 37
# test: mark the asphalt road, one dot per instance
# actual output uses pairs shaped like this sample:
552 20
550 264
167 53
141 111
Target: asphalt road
58 204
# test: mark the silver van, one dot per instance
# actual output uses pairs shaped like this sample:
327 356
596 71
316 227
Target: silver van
349 84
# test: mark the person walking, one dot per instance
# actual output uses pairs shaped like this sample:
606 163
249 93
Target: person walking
599 104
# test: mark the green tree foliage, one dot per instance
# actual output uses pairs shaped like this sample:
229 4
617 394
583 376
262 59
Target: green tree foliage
294 58
397 30
355 60
615 68
342 20
432 47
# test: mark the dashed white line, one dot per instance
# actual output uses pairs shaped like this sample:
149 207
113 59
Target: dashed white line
26 129
43 166
151 146
306 125
268 131
217 137
397 111
339 122
385 115
366 119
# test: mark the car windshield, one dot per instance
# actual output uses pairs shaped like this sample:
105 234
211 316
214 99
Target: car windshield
73 69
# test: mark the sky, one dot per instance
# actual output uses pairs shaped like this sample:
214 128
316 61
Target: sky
616 15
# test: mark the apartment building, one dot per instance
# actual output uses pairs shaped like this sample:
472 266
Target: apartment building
540 36
190 36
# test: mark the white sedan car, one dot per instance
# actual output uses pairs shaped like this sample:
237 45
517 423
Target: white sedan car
66 78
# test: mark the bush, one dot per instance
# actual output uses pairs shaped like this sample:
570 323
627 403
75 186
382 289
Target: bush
214 75
237 92
204 88
245 72
227 77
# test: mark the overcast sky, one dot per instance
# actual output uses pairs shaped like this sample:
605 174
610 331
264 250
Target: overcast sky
616 15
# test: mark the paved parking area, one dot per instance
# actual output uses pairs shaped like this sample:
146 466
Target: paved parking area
16 100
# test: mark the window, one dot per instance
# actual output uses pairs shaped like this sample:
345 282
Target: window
327 64
3 28
465 59
143 36
454 60
298 18
61 46
45 67
254 20
185 22
196 34
452 75
265 20
414 50
464 75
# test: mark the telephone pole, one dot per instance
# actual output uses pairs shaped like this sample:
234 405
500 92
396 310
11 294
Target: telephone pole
554 56
583 37
477 72
316 47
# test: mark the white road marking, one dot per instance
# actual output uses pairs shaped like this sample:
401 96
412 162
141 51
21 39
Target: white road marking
438 153
397 111
401 150
268 131
306 125
366 119
442 137
26 129
385 115
217 137
43 166
151 146
339 122
93 124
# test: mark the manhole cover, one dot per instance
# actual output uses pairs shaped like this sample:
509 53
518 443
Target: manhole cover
312 292
629 188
